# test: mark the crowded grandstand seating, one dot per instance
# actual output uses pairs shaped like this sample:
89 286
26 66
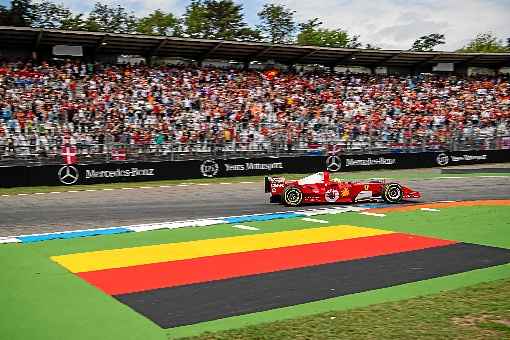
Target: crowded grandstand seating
171 109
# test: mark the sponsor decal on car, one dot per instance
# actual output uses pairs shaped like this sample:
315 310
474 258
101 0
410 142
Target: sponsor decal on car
331 195
345 192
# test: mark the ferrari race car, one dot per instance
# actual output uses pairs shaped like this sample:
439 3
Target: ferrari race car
319 188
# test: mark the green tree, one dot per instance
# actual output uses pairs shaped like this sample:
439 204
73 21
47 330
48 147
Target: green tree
49 15
277 23
216 19
19 14
4 16
428 42
311 33
160 23
73 22
485 42
115 19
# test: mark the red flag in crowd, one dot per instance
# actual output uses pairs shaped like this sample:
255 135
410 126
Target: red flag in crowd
69 154
118 154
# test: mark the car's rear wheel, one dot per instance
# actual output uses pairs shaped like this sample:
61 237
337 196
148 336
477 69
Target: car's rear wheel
393 193
292 196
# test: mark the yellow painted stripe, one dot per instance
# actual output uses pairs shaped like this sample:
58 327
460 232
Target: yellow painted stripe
126 257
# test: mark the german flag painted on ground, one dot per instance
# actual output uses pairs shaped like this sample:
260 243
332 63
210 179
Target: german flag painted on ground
184 283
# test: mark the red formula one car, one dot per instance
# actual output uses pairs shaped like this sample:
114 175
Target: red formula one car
319 188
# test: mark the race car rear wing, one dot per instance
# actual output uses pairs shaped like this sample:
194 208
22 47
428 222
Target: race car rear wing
274 184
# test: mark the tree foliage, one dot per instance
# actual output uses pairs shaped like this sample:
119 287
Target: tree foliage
19 14
427 43
311 33
160 23
217 19
114 19
49 15
277 23
486 42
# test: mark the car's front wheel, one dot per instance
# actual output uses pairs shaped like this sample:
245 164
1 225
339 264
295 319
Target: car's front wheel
292 196
393 193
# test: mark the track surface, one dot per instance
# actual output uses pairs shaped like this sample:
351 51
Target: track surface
79 210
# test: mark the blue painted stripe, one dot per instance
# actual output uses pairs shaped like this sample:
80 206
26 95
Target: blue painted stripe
376 205
72 234
265 217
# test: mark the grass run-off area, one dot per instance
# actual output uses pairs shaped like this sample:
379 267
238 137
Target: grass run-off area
42 300
412 174
481 311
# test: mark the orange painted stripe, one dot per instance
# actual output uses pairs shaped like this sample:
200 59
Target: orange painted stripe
443 205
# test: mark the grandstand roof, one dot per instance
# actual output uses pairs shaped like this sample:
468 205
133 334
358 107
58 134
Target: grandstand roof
199 49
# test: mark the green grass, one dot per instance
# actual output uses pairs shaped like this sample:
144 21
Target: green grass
447 315
44 301
412 174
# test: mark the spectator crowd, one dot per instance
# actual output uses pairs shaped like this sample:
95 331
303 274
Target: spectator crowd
44 106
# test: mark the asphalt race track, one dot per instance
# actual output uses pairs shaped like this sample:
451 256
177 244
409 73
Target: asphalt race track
79 210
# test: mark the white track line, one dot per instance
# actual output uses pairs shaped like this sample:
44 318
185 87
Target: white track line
245 227
91 190
39 193
22 194
165 186
127 188
450 177
203 184
183 185
108 189
492 176
372 214
72 191
5 195
429 209
246 182
225 183
146 187
307 219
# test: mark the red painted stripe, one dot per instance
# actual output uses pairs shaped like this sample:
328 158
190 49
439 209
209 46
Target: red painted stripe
176 273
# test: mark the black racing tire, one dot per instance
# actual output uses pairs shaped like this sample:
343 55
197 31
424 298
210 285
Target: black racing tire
292 196
392 193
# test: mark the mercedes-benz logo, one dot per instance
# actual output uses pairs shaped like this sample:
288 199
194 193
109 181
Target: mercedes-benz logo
68 174
209 168
442 159
333 163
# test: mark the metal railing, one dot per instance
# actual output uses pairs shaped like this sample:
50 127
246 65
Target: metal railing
25 153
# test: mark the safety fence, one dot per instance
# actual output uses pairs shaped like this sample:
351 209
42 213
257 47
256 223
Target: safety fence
37 153
132 171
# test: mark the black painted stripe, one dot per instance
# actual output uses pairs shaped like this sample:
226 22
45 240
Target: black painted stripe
189 304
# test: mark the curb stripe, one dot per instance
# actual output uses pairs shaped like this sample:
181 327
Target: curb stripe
71 234
126 257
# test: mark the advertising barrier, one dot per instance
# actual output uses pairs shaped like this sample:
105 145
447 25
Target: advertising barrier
74 174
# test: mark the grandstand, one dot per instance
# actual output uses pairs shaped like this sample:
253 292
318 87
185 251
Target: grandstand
157 110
